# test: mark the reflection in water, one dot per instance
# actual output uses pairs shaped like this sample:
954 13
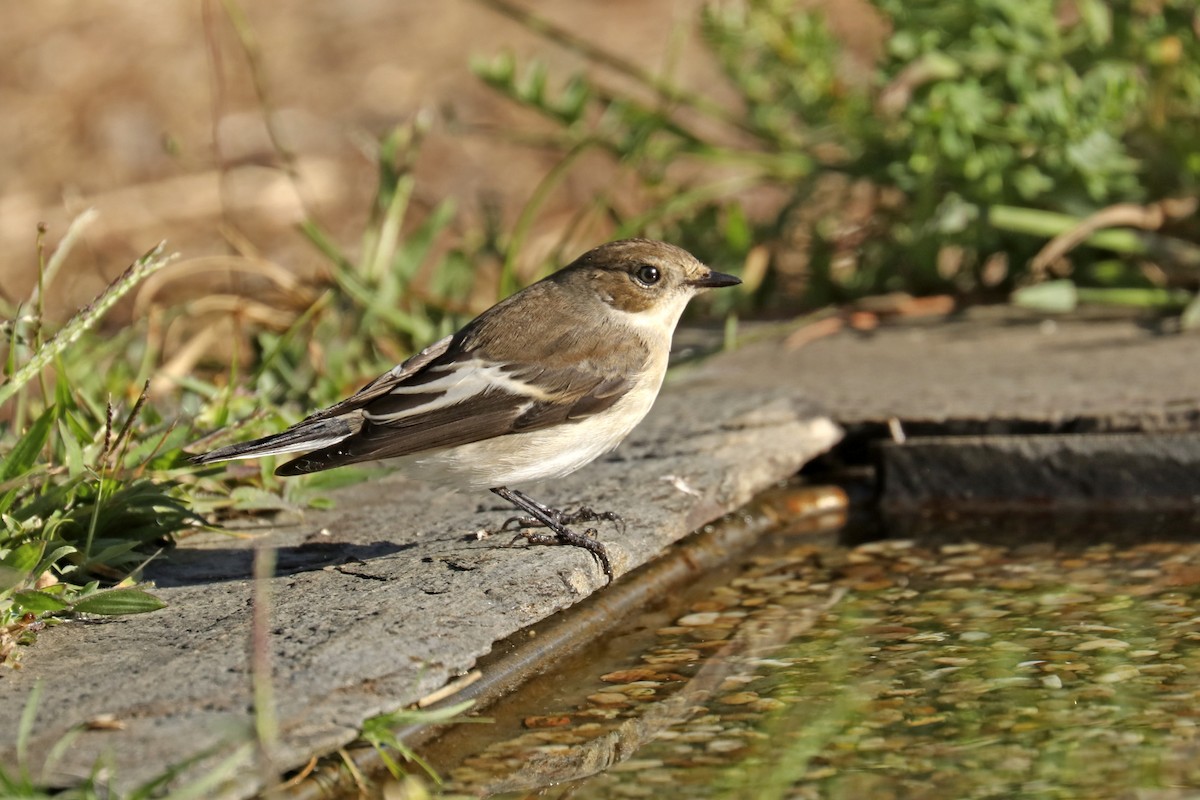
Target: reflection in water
736 660
889 669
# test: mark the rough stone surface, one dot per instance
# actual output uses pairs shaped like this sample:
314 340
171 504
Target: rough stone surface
382 601
996 371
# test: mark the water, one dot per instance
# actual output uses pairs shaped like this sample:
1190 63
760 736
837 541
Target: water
927 668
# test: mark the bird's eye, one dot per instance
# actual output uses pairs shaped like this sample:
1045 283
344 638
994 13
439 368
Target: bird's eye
647 275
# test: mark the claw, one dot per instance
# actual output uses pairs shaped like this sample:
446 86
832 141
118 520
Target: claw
587 540
587 514
557 522
581 514
520 522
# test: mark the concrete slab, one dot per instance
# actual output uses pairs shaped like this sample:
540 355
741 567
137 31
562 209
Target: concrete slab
994 370
381 601
1001 410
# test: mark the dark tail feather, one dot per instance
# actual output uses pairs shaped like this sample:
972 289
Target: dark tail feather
317 461
301 438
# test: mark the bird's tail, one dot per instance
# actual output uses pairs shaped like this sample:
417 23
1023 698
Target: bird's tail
300 438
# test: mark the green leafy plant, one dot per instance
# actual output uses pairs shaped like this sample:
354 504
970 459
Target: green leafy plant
380 732
87 495
930 174
85 498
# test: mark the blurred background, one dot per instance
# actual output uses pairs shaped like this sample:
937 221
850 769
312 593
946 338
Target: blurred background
345 184
221 127
830 151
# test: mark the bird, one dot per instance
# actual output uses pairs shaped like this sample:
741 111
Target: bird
534 388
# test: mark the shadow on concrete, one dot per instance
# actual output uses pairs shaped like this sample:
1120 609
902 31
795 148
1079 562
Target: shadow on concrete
216 565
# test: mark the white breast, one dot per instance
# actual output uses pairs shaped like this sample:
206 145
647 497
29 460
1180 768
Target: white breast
539 455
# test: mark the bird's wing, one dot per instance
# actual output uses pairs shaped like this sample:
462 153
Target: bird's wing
461 400
331 425
408 370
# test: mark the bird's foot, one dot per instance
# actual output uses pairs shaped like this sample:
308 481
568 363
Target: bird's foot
562 535
556 522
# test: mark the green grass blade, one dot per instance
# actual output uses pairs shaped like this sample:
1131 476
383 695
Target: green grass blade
1048 224
87 317
59 256
116 602
24 557
38 602
25 452
25 727
53 558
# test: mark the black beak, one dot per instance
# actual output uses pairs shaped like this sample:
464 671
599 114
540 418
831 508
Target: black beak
715 280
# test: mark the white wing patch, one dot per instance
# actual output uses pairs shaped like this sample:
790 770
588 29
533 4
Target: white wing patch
462 382
302 446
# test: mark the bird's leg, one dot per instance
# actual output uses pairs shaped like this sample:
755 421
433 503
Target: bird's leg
549 518
526 521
